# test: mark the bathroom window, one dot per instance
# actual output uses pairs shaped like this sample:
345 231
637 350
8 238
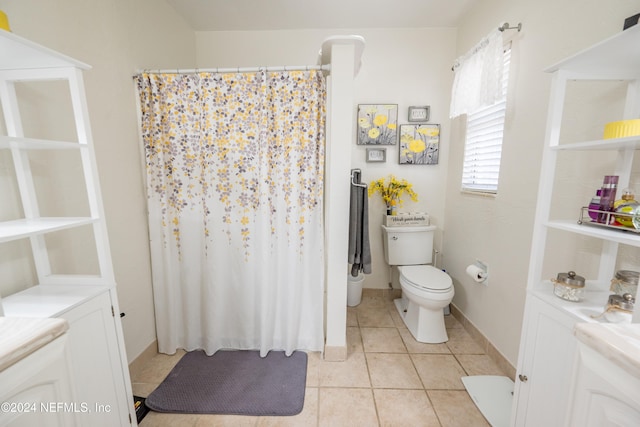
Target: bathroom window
483 144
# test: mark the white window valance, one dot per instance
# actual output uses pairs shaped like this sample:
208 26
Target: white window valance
478 80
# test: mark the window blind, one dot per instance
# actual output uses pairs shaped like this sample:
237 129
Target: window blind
483 144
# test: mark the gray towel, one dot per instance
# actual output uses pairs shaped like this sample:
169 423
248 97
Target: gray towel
359 249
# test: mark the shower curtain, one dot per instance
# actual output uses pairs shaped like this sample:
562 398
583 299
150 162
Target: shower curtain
234 171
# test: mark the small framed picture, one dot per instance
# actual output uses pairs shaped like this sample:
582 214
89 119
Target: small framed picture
377 124
376 154
419 144
419 114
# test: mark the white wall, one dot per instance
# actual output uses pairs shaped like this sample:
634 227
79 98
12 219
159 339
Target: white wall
498 230
116 38
399 66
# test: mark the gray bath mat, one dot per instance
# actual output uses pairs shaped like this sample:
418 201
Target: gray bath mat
233 382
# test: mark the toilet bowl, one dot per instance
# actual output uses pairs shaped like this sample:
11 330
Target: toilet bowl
426 291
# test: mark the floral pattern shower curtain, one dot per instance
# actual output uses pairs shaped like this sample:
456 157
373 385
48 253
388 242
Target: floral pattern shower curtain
234 168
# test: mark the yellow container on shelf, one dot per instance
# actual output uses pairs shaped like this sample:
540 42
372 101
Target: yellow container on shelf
4 21
622 129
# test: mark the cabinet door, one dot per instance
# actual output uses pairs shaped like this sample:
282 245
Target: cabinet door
97 369
603 394
37 390
543 379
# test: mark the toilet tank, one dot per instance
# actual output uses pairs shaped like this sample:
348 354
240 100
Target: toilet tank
408 245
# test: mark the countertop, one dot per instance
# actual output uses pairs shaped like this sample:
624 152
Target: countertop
618 342
20 337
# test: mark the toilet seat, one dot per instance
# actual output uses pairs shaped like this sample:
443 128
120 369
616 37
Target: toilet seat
425 277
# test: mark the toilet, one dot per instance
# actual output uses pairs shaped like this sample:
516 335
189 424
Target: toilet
426 290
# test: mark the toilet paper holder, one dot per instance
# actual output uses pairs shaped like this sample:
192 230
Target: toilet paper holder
479 272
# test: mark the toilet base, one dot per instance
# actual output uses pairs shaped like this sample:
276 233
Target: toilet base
426 326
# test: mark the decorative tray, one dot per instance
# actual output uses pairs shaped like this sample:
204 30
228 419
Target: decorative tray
608 219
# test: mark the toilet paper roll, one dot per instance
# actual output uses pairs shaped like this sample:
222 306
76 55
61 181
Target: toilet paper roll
476 273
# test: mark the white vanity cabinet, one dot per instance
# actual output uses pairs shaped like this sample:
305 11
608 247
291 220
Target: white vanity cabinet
52 218
548 346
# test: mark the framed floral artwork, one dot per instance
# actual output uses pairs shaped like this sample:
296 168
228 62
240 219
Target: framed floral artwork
377 124
419 144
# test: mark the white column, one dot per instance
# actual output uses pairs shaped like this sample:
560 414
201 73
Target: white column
340 122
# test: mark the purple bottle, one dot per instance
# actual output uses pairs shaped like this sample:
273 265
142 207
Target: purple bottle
607 197
594 206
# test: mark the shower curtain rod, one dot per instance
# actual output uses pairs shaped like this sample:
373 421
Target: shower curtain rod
239 69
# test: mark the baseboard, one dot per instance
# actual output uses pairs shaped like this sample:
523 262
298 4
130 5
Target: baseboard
136 366
486 345
335 353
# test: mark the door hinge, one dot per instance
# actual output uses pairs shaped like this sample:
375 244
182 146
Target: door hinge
113 313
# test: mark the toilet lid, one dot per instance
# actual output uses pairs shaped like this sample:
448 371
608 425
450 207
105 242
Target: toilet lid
426 277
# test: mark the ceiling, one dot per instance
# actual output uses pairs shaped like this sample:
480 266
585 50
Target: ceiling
262 15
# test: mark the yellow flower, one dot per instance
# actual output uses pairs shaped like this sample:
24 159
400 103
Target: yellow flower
417 146
392 126
244 220
392 191
380 119
374 133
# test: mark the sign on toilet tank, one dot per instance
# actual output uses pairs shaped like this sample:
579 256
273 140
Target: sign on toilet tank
406 219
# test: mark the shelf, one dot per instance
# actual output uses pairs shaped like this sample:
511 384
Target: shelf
627 143
21 228
38 144
620 236
20 53
49 300
587 310
616 57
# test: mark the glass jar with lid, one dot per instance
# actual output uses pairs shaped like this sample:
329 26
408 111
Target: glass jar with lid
625 282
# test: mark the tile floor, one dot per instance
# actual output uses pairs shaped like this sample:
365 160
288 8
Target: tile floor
388 379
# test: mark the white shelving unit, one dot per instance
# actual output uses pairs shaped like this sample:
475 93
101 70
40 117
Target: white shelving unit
548 346
87 301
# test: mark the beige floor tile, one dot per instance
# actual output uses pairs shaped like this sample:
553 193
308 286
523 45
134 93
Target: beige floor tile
314 359
392 371
460 342
451 322
478 364
158 368
225 421
156 419
347 407
439 371
373 301
456 409
352 316
350 373
382 340
404 408
308 416
397 320
354 340
374 317
143 389
414 346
